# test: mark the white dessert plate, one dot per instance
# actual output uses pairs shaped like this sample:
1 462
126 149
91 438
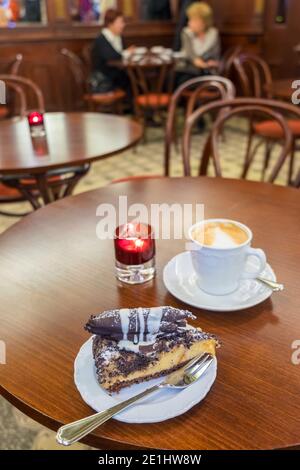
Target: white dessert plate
180 280
161 406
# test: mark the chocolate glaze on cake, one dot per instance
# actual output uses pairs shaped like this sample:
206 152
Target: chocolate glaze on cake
139 324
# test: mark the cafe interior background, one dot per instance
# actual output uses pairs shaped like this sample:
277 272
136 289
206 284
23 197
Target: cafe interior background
39 30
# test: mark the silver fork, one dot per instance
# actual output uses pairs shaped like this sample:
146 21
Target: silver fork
181 379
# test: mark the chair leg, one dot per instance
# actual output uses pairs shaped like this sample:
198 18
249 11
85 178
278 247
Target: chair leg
167 155
27 195
291 165
73 183
250 159
297 181
203 168
44 189
70 188
31 199
248 152
269 146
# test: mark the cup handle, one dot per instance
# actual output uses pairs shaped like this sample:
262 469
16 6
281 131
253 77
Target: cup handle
260 255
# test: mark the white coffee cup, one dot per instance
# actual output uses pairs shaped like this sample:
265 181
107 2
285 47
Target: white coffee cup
220 269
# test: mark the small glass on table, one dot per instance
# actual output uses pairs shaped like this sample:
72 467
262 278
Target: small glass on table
135 253
36 124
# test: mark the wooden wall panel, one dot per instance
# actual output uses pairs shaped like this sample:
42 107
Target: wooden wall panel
280 39
249 23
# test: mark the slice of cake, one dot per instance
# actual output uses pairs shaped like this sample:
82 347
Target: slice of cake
134 345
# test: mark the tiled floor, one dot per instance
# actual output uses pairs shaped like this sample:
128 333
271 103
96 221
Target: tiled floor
16 430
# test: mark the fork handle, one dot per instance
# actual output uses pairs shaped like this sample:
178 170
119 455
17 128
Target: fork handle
74 432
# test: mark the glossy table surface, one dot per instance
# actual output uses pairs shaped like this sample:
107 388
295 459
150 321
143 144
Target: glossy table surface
55 273
71 139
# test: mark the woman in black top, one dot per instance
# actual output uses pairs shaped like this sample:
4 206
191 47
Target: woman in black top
109 47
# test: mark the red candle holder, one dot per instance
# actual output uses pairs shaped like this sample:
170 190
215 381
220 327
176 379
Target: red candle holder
135 253
36 124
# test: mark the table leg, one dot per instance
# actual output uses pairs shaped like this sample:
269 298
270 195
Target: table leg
45 192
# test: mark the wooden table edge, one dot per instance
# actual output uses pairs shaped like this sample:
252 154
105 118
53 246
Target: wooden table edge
85 161
93 440
54 425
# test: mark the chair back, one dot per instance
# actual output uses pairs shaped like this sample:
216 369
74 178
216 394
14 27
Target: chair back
78 74
227 61
25 87
274 110
219 87
76 67
254 76
151 74
87 56
11 66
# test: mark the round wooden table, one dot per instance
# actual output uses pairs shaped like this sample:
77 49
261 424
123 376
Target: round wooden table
55 273
72 139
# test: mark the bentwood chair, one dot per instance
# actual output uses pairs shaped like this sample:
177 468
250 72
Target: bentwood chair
9 66
16 188
214 86
227 61
221 88
18 86
259 108
255 80
110 101
152 82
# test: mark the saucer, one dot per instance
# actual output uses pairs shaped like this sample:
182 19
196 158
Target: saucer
180 280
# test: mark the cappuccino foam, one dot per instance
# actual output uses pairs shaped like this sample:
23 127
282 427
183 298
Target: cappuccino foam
220 235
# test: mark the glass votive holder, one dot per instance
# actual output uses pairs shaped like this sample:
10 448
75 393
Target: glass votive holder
36 124
135 253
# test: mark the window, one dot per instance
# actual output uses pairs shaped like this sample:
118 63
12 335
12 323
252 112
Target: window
13 12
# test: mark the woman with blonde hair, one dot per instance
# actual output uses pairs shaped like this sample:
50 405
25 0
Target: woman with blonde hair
200 42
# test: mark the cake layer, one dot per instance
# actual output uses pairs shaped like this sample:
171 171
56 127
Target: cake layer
117 369
168 362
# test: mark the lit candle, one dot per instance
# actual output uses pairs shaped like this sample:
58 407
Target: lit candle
135 253
36 123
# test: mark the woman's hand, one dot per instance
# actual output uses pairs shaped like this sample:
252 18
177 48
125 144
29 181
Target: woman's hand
131 49
200 64
212 64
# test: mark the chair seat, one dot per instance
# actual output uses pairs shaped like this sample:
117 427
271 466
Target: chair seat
4 111
9 194
273 130
154 100
106 98
32 182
